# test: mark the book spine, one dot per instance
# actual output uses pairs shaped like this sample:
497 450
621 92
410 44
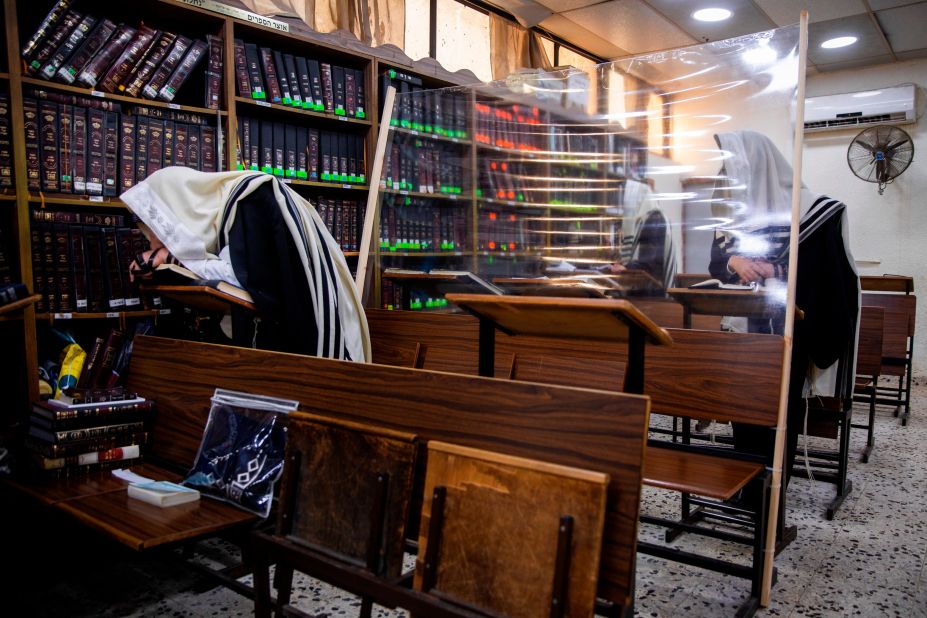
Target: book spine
270 76
138 46
350 93
91 74
241 69
180 144
126 152
360 154
126 257
315 80
304 82
302 153
38 263
48 261
6 143
112 279
33 156
208 154
96 151
141 149
290 154
68 47
360 94
65 146
86 446
52 18
115 454
79 150
282 78
253 60
279 162
78 267
328 93
192 58
194 158
48 128
92 43
106 412
214 72
149 64
111 155
292 78
164 70
63 268
96 293
342 158
168 134
338 89
50 45
155 146
325 157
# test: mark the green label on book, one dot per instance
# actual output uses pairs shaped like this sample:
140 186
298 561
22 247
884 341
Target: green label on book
254 167
287 101
325 176
392 73
240 166
291 173
278 171
318 107
302 175
267 169
352 178
394 122
339 111
257 94
360 114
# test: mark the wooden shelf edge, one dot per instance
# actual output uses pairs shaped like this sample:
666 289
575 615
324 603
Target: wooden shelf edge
4 75
109 315
325 185
461 141
89 92
76 200
303 112
449 197
19 304
7 197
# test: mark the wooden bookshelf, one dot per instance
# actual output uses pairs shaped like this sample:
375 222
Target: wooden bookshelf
325 185
17 306
88 92
103 315
4 75
428 135
387 253
274 107
451 197
7 197
63 199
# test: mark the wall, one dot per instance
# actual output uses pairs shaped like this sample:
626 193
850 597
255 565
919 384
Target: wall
887 232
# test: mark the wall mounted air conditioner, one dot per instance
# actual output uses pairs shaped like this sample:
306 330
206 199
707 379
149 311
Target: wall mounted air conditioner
893 105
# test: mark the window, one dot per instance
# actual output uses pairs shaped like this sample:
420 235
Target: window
548 46
463 39
418 29
573 59
616 103
655 124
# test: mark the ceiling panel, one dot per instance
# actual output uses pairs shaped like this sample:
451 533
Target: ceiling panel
559 6
869 41
878 5
913 54
904 27
745 18
631 25
785 12
581 37
855 63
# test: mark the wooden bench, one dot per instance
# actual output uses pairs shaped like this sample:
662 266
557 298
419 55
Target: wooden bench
897 348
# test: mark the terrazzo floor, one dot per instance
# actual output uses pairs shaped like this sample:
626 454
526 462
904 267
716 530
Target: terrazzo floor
868 561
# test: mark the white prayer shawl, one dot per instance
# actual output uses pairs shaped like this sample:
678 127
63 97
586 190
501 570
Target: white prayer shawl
192 213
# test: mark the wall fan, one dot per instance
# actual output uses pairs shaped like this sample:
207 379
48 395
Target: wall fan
880 154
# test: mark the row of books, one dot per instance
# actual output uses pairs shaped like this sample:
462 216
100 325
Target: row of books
95 52
80 261
76 145
499 231
425 167
557 186
428 111
6 143
295 152
73 437
511 126
343 218
396 297
269 75
420 225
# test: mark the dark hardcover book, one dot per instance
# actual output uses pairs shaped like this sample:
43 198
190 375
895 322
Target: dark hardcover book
244 143
255 75
62 256
290 151
194 55
302 153
283 79
180 144
91 364
208 154
139 44
126 152
112 279
76 396
351 147
155 146
111 155
360 156
360 95
194 156
33 156
6 143
65 145
92 445
38 260
417 120
460 116
74 435
68 47
85 52
279 162
141 148
292 78
304 83
314 155
428 111
48 262
270 76
405 105
168 139
50 45
350 93
214 72
91 74
143 71
166 67
315 80
96 151
342 158
51 19
78 267
438 113
126 253
79 150
328 88
325 157
96 290
251 133
48 145
242 81
267 147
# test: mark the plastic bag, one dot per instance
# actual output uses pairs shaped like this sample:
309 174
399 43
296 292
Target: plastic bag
241 455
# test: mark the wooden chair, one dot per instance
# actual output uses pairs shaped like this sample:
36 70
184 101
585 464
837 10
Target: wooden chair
345 493
897 348
508 536
868 369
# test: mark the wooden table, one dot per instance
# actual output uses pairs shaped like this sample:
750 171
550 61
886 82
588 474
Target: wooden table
577 318
738 303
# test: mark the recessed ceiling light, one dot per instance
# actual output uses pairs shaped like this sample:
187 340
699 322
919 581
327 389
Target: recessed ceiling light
840 41
711 14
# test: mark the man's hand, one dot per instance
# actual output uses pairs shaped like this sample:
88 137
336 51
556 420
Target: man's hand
751 270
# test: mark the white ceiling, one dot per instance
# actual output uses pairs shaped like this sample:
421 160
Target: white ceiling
887 30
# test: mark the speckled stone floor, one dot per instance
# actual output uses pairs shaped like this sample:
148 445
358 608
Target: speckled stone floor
868 561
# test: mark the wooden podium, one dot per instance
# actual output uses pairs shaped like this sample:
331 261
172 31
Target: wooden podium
738 303
587 319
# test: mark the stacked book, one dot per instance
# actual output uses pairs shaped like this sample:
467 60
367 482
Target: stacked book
271 76
90 146
94 428
94 52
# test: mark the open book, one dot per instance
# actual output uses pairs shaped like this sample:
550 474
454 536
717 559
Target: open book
716 284
442 282
175 281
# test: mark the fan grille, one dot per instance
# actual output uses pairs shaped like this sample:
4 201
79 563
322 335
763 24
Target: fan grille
880 154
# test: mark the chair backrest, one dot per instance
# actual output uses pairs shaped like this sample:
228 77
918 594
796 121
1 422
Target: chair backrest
898 326
510 536
346 490
869 348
